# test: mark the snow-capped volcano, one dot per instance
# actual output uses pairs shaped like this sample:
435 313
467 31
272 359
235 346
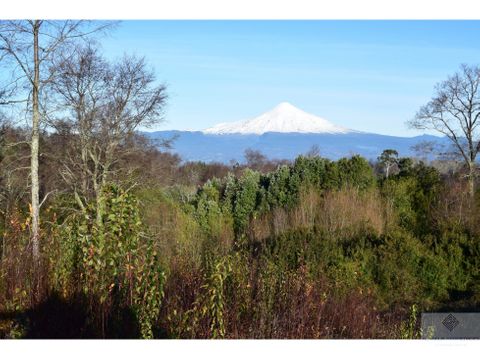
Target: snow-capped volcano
284 118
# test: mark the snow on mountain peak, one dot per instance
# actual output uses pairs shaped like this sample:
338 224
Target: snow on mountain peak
283 118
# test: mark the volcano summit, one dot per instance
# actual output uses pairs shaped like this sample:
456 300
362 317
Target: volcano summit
284 118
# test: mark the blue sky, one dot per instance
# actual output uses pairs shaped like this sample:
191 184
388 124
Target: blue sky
365 75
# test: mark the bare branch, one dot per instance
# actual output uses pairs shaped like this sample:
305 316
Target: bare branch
454 112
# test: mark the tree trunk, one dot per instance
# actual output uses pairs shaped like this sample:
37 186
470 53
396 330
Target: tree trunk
471 179
35 210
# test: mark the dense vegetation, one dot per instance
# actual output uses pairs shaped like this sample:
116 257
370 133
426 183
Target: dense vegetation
313 249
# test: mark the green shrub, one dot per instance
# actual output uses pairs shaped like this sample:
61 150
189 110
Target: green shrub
117 262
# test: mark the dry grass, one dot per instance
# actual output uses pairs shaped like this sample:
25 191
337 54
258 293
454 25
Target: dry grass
343 212
457 209
348 211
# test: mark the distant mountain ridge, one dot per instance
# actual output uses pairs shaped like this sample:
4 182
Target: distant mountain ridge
284 133
197 146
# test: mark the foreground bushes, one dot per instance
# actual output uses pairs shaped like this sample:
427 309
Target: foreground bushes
319 249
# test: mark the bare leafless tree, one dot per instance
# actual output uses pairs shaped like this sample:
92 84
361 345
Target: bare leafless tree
255 159
313 152
107 103
27 48
454 111
425 149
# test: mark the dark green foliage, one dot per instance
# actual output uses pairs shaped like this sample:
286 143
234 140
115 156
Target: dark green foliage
356 173
407 272
405 166
388 159
208 207
282 189
246 200
414 193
